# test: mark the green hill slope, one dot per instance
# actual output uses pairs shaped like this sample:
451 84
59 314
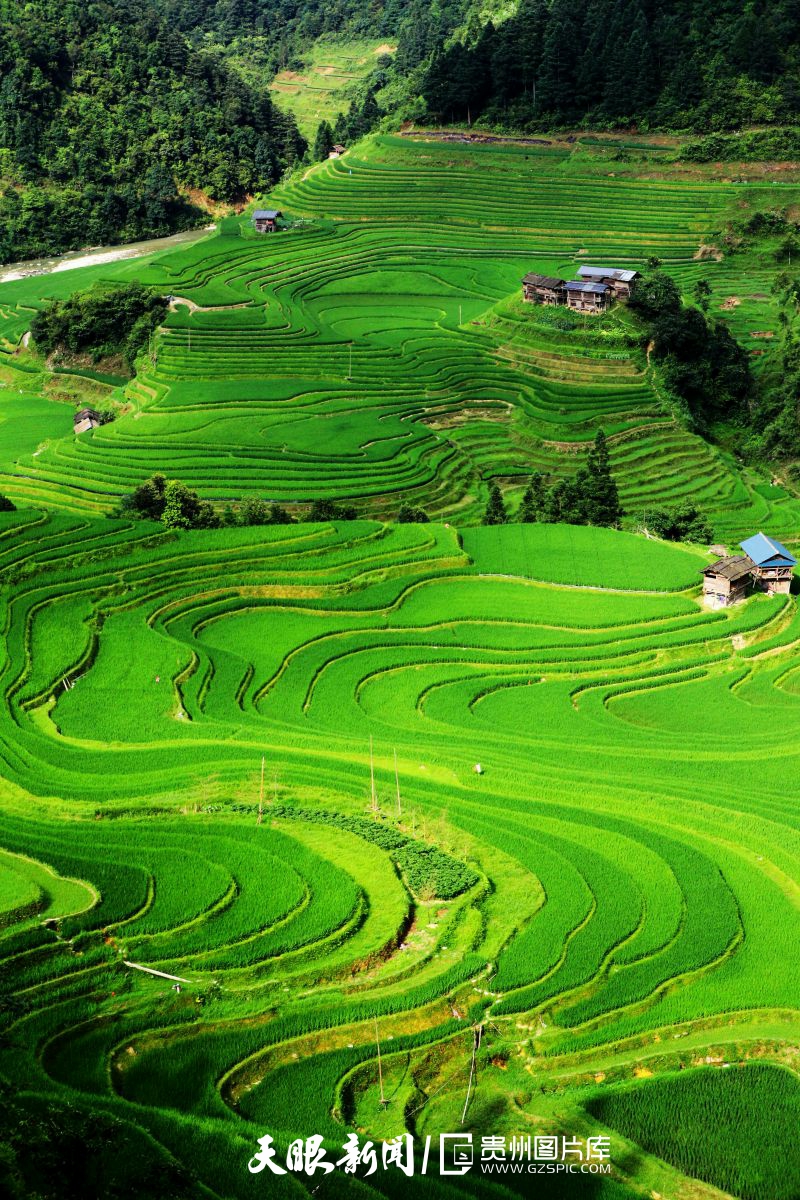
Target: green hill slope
376 350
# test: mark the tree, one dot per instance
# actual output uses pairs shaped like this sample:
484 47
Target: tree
533 499
327 510
684 523
279 516
602 506
702 294
655 295
254 511
565 501
183 509
495 513
409 515
323 142
102 320
149 498
6 505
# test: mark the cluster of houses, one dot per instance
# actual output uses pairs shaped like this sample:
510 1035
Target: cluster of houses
766 566
592 292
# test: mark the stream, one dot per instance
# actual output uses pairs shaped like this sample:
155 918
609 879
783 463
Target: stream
93 255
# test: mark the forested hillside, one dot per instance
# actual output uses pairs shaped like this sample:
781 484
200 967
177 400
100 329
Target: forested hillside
670 63
107 114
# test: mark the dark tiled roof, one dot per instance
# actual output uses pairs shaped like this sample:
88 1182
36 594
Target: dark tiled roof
543 281
730 568
266 214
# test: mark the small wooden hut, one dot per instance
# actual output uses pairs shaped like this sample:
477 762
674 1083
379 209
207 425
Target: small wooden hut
265 220
86 418
726 581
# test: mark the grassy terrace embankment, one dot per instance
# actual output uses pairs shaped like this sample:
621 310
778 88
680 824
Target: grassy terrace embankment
377 350
618 895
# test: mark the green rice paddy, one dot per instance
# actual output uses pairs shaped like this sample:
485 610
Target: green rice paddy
377 351
246 758
325 85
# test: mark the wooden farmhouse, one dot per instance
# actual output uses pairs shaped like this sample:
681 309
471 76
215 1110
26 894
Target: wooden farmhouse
86 419
726 581
773 565
620 282
265 220
592 292
588 297
543 289
766 565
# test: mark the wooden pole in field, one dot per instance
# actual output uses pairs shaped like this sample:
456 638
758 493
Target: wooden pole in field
476 1042
384 1101
261 793
397 783
373 795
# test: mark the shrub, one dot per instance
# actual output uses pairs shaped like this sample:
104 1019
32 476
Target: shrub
102 321
409 516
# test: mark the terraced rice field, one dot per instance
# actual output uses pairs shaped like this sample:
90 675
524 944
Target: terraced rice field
324 87
376 351
244 850
603 902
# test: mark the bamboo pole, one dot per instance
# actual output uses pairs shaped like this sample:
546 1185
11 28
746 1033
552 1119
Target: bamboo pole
373 794
384 1101
397 783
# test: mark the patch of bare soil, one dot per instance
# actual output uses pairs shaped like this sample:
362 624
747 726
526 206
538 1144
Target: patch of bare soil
762 333
385 48
704 251
452 420
112 364
731 302
201 200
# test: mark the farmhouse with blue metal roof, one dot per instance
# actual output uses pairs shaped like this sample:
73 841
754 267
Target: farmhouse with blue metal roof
621 282
765 565
592 292
773 565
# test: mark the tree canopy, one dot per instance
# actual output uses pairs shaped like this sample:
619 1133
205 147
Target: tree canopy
668 63
108 116
104 320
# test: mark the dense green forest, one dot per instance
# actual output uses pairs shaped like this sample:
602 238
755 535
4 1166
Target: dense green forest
677 64
108 115
114 114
